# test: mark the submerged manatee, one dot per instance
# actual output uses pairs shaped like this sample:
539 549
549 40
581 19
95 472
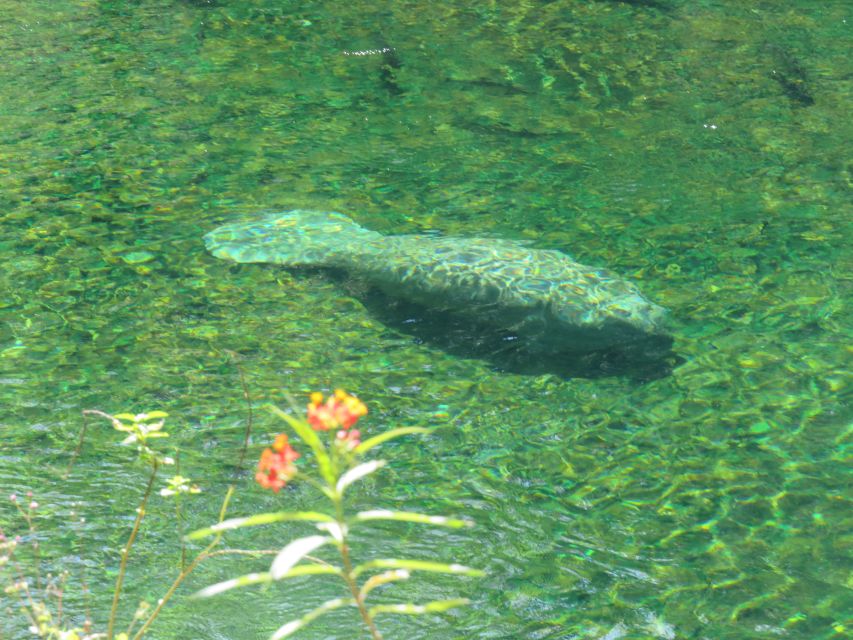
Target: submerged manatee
554 303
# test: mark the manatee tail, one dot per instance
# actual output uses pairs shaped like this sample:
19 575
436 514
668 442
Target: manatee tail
310 238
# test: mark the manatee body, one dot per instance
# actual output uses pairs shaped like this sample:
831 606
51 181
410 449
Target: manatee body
554 303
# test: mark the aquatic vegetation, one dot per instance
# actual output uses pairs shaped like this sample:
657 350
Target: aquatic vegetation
339 463
33 592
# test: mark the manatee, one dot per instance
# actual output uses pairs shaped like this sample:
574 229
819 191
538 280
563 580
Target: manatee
541 296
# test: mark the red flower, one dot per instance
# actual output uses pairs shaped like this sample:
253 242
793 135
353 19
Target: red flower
276 465
340 411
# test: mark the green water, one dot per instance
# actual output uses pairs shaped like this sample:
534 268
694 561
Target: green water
700 148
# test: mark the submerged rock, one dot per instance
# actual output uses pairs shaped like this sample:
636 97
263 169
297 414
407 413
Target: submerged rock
544 297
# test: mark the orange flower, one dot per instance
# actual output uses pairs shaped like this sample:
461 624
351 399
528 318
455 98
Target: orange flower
339 411
276 464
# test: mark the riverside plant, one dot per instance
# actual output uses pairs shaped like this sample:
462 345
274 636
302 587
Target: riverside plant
338 453
40 598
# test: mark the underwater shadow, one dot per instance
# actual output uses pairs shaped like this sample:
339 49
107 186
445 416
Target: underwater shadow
645 359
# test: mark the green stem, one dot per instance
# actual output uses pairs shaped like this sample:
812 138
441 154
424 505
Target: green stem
203 555
180 526
125 554
179 521
347 574
77 449
177 583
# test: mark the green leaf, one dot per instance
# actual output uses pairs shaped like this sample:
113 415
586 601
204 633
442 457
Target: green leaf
120 426
226 585
293 552
309 437
357 473
368 444
141 417
296 625
407 516
416 565
385 577
264 578
261 518
333 529
437 606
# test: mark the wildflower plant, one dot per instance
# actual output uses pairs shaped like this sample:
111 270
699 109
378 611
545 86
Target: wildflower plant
339 453
40 598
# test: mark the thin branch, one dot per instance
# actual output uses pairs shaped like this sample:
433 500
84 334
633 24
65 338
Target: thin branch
249 411
348 572
245 552
140 513
77 449
203 555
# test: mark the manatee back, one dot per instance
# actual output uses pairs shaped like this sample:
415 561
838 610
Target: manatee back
294 238
542 293
474 271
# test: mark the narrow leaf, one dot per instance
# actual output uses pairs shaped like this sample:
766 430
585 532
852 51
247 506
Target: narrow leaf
293 553
436 606
309 437
265 577
382 578
333 529
242 581
407 516
261 518
296 625
357 473
417 565
368 444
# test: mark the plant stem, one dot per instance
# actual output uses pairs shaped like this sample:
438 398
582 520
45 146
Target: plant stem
347 575
185 571
77 449
203 555
140 513
249 419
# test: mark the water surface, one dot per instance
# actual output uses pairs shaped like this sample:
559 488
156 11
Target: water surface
699 148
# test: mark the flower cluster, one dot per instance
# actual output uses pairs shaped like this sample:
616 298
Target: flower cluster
177 485
340 411
338 457
276 465
141 426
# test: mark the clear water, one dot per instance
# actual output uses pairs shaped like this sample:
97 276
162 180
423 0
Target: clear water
700 148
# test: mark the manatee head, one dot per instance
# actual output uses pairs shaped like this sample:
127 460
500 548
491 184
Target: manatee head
605 308
633 309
